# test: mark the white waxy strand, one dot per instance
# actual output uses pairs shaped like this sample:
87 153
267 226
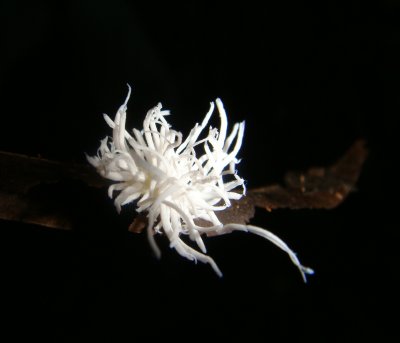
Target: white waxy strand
121 131
155 134
273 239
153 244
129 194
115 175
125 104
165 214
177 224
139 137
116 132
233 184
175 242
224 122
163 144
198 240
195 133
185 217
116 187
232 155
231 137
108 120
150 153
179 184
235 196
143 164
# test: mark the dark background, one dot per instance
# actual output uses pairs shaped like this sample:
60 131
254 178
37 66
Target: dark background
309 79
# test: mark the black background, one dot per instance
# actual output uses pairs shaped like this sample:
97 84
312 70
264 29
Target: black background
308 79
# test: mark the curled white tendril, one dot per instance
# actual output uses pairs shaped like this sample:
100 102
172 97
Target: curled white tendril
178 182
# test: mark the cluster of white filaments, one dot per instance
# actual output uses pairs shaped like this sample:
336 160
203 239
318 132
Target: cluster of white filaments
180 183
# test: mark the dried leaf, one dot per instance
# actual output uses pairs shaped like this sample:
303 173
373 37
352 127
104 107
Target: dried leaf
139 224
43 192
318 187
33 190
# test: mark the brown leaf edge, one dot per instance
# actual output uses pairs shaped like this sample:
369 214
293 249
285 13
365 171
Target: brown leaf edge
318 187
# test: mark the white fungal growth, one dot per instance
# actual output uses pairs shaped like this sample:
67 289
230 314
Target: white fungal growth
178 182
